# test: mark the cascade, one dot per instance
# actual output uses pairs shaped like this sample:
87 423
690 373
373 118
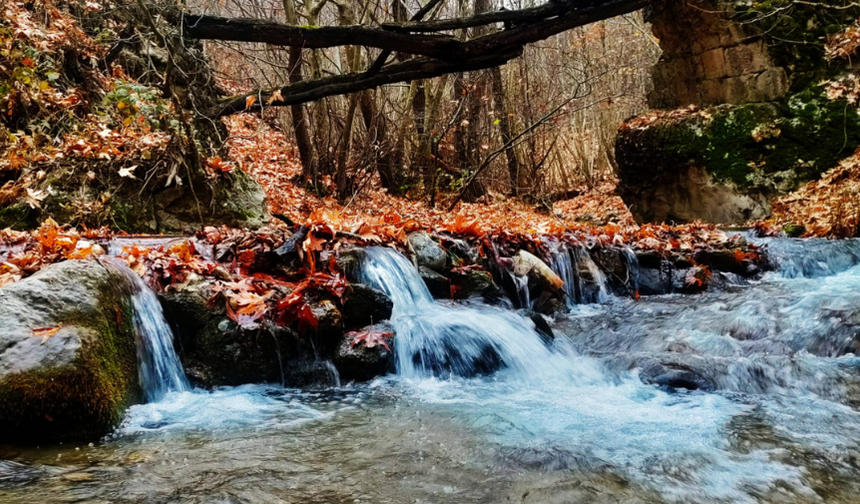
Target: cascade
159 369
584 282
434 339
810 258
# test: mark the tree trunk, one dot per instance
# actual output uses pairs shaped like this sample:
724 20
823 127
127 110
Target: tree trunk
507 130
300 124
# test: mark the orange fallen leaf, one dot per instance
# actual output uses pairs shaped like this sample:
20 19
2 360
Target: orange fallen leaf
46 332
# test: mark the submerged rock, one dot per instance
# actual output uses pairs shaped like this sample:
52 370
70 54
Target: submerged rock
427 252
68 360
542 326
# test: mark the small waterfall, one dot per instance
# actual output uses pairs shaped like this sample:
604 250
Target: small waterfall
632 261
159 369
522 287
434 339
564 266
584 282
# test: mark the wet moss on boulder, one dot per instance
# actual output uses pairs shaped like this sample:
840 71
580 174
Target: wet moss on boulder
76 383
725 163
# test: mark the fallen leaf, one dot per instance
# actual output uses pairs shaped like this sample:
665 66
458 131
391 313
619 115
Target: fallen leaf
46 333
127 172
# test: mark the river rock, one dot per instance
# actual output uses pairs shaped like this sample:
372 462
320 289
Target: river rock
363 305
655 281
427 252
360 363
675 376
68 359
527 264
329 322
438 285
477 283
542 326
349 263
215 351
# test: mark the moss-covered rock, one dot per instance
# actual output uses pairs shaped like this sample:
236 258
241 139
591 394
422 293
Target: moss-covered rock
76 383
232 199
724 164
759 70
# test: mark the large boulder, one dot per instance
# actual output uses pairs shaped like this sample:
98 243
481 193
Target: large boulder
427 252
725 164
746 111
68 360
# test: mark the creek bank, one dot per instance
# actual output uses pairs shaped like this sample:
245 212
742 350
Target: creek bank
68 360
130 151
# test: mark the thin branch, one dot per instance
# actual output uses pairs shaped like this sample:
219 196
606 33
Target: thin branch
510 143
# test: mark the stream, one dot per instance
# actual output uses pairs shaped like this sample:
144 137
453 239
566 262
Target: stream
746 394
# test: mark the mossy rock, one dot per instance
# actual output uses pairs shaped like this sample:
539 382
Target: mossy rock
77 383
233 199
19 216
724 164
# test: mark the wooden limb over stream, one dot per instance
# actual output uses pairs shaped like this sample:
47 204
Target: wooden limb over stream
439 54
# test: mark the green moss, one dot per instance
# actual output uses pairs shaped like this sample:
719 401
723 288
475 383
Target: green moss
19 216
86 399
777 146
731 148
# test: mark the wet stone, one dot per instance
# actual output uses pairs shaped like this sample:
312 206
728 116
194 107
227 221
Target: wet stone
363 305
439 285
427 252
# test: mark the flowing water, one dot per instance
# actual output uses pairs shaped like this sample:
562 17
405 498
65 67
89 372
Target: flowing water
158 366
749 394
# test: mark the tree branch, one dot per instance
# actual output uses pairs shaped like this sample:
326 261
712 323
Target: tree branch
383 57
279 34
527 26
442 54
310 90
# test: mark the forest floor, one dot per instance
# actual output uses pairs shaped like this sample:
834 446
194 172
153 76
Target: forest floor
827 207
268 156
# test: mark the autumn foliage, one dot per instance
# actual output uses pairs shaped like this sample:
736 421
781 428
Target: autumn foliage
829 207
